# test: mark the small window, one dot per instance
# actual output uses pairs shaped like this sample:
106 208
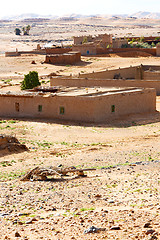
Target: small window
17 107
113 108
88 52
61 110
39 108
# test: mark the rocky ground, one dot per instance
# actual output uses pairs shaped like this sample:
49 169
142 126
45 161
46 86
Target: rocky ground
120 200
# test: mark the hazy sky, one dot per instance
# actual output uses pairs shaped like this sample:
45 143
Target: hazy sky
61 7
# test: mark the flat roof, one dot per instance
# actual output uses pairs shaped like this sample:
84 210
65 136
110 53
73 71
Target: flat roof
96 91
74 91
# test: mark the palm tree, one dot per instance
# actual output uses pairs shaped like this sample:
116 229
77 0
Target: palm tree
23 29
17 31
28 29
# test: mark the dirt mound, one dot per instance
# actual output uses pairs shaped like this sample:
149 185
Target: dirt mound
131 54
11 144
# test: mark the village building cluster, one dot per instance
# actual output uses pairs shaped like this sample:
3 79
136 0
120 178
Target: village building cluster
93 45
92 97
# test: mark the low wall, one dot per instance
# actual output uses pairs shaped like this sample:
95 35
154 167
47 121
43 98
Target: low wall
40 51
79 108
81 82
109 74
136 72
12 54
93 50
15 54
151 51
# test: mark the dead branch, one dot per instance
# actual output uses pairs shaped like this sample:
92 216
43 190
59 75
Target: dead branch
44 172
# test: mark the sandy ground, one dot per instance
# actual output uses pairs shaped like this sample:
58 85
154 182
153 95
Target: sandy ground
120 199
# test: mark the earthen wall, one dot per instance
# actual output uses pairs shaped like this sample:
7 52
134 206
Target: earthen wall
151 51
66 58
57 50
85 49
151 76
82 82
110 74
12 54
158 50
79 108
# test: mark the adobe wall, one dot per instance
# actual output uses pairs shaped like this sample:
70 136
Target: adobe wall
151 76
158 50
18 53
117 43
151 51
109 74
128 103
82 109
12 54
40 51
82 82
147 72
85 49
80 39
104 38
92 49
79 108
66 58
57 50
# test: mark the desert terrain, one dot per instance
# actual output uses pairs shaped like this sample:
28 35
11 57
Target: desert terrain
120 200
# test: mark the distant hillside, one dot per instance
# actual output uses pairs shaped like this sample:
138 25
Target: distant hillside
138 15
27 16
152 15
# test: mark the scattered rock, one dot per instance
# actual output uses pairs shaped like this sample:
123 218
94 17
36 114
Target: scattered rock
150 231
98 195
115 228
153 237
147 225
93 230
17 234
11 143
31 221
18 222
111 201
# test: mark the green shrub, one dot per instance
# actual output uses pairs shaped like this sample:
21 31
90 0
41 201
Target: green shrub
125 45
153 44
30 81
85 40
